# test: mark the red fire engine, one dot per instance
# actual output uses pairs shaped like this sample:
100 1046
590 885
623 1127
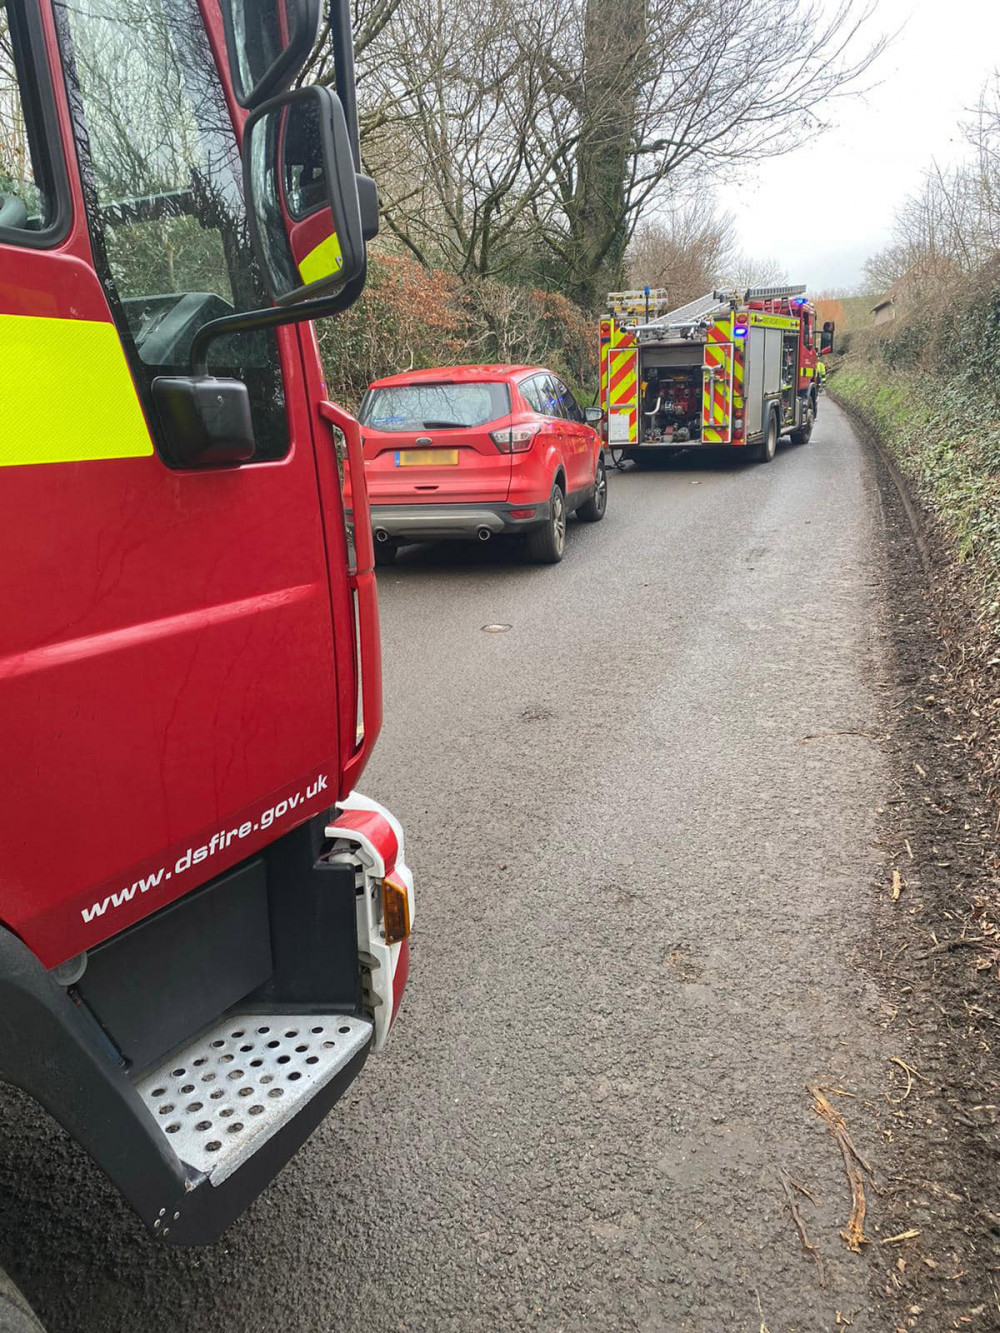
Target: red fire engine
203 928
724 370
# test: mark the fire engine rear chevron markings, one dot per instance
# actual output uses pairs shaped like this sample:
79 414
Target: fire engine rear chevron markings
623 393
603 355
622 369
718 361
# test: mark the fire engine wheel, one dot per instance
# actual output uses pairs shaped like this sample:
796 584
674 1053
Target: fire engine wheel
768 447
547 543
16 1315
593 509
801 436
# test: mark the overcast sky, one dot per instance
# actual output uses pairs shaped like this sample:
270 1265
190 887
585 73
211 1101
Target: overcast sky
822 209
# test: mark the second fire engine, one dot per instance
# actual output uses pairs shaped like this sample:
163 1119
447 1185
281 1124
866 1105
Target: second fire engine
724 370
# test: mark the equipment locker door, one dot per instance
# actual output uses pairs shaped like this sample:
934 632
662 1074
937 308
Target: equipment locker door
717 385
623 395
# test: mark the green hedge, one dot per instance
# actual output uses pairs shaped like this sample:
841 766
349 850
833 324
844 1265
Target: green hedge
412 318
947 324
929 387
946 438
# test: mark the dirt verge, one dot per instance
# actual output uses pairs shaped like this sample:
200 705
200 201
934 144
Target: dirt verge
935 948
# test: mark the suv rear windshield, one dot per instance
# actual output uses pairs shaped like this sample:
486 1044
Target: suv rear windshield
434 406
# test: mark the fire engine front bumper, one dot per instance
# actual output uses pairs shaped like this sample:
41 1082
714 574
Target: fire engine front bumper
432 522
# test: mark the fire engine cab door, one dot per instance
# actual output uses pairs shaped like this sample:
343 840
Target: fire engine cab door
168 695
717 386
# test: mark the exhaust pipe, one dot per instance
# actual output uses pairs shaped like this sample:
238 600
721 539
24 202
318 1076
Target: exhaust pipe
484 534
381 535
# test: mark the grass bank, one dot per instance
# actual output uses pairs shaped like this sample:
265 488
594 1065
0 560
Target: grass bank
944 436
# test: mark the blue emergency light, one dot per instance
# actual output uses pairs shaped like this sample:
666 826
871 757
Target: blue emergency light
739 330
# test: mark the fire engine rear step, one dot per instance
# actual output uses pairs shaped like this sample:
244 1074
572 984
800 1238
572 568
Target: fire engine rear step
220 1098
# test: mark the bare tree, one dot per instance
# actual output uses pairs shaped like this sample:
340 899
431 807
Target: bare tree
685 251
518 135
15 159
370 18
743 271
982 132
502 321
951 225
669 88
448 106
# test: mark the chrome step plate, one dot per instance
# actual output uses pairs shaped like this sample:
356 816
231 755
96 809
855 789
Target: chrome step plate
220 1098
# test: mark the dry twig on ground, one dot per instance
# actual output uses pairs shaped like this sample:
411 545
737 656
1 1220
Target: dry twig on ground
788 1184
854 1164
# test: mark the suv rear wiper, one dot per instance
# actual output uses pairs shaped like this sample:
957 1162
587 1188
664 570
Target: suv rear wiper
445 425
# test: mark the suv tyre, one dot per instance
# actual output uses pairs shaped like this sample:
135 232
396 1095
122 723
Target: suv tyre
593 509
547 544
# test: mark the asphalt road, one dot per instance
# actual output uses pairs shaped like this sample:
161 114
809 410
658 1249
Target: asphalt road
641 820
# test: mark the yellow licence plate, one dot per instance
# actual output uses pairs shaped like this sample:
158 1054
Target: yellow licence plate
426 457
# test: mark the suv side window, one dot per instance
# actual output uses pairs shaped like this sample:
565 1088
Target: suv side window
531 392
542 393
569 407
28 185
550 396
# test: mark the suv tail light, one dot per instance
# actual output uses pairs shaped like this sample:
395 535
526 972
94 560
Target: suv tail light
515 439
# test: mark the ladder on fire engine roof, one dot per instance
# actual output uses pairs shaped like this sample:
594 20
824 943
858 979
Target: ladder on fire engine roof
641 302
697 312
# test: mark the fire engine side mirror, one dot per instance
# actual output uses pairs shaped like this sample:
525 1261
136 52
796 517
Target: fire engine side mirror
268 42
594 416
302 195
206 421
826 338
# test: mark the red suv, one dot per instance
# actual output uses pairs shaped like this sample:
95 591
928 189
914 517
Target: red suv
472 451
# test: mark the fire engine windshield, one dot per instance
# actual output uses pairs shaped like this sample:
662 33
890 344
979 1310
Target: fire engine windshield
408 407
162 175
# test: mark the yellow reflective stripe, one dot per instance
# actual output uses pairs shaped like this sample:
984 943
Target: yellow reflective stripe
66 394
603 352
759 319
323 261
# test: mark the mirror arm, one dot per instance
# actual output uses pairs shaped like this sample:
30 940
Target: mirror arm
270 318
342 33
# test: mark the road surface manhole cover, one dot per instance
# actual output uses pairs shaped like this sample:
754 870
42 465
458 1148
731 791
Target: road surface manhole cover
495 629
